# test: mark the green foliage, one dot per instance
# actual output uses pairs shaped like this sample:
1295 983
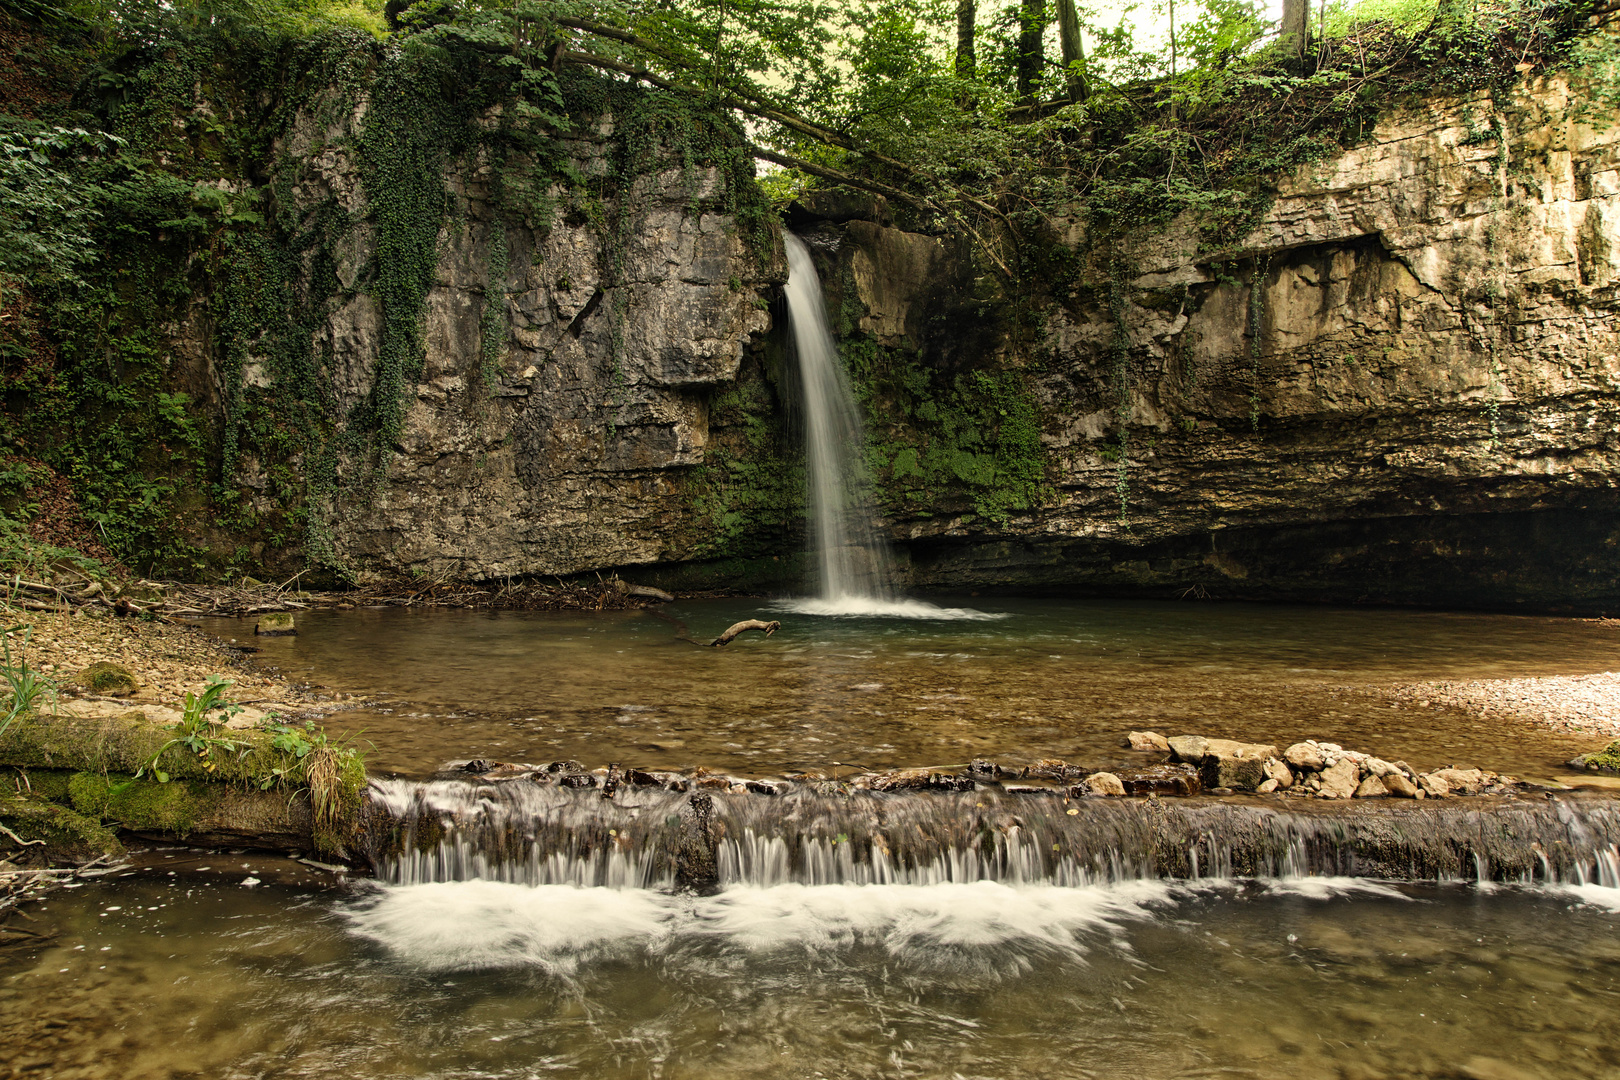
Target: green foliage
972 439
46 215
749 494
25 685
199 733
311 761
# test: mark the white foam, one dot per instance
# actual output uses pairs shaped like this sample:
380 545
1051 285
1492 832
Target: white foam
474 925
914 921
1602 896
1329 888
471 925
873 607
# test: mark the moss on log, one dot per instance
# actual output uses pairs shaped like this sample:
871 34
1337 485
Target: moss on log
68 836
255 794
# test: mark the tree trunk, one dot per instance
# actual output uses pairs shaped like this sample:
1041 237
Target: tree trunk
966 63
1295 30
1074 51
1031 48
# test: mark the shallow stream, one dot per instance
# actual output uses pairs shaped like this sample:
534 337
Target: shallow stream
236 965
1038 678
159 976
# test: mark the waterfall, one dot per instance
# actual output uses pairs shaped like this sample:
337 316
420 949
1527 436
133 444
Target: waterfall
537 834
852 560
851 563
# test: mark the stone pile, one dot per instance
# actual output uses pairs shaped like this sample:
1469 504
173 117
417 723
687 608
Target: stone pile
1196 764
1312 768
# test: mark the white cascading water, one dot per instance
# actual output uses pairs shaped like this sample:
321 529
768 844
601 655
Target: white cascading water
852 561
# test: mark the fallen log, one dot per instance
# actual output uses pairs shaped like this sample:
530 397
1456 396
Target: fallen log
743 627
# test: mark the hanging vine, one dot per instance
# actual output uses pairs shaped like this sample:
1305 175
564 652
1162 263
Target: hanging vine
1119 356
1257 315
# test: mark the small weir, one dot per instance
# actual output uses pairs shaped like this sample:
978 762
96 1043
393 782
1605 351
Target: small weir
529 833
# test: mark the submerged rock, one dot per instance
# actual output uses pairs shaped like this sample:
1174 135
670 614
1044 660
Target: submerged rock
1173 780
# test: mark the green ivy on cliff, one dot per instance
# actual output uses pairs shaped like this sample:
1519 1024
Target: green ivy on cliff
968 443
206 227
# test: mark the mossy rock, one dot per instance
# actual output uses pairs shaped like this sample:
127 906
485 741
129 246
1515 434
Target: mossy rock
70 837
1606 760
275 624
109 679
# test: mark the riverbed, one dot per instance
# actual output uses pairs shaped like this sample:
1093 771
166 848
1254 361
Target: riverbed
1029 679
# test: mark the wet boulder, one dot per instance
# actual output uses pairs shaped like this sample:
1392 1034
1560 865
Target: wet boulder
1149 741
1052 769
1236 765
1188 748
1371 788
1402 786
915 780
1161 780
275 624
1465 781
1103 783
1435 787
1278 773
1606 760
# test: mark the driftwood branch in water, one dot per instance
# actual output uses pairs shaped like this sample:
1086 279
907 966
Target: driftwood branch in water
747 624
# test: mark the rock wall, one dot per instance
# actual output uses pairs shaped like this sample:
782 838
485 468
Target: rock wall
572 443
1402 386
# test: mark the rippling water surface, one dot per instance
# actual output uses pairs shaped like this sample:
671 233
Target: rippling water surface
1035 678
1340 978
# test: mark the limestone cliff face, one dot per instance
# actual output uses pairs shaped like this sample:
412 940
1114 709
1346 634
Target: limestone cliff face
1403 385
567 442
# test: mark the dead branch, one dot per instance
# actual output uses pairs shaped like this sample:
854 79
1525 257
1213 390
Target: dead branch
743 627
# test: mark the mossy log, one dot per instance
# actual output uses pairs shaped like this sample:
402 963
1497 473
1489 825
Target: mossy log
244 797
68 835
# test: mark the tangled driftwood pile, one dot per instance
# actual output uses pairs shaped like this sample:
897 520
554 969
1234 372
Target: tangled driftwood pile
166 600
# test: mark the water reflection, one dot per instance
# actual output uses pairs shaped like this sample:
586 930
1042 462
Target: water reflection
1051 678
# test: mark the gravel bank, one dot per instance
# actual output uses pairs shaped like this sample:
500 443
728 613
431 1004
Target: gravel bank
1580 704
168 659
